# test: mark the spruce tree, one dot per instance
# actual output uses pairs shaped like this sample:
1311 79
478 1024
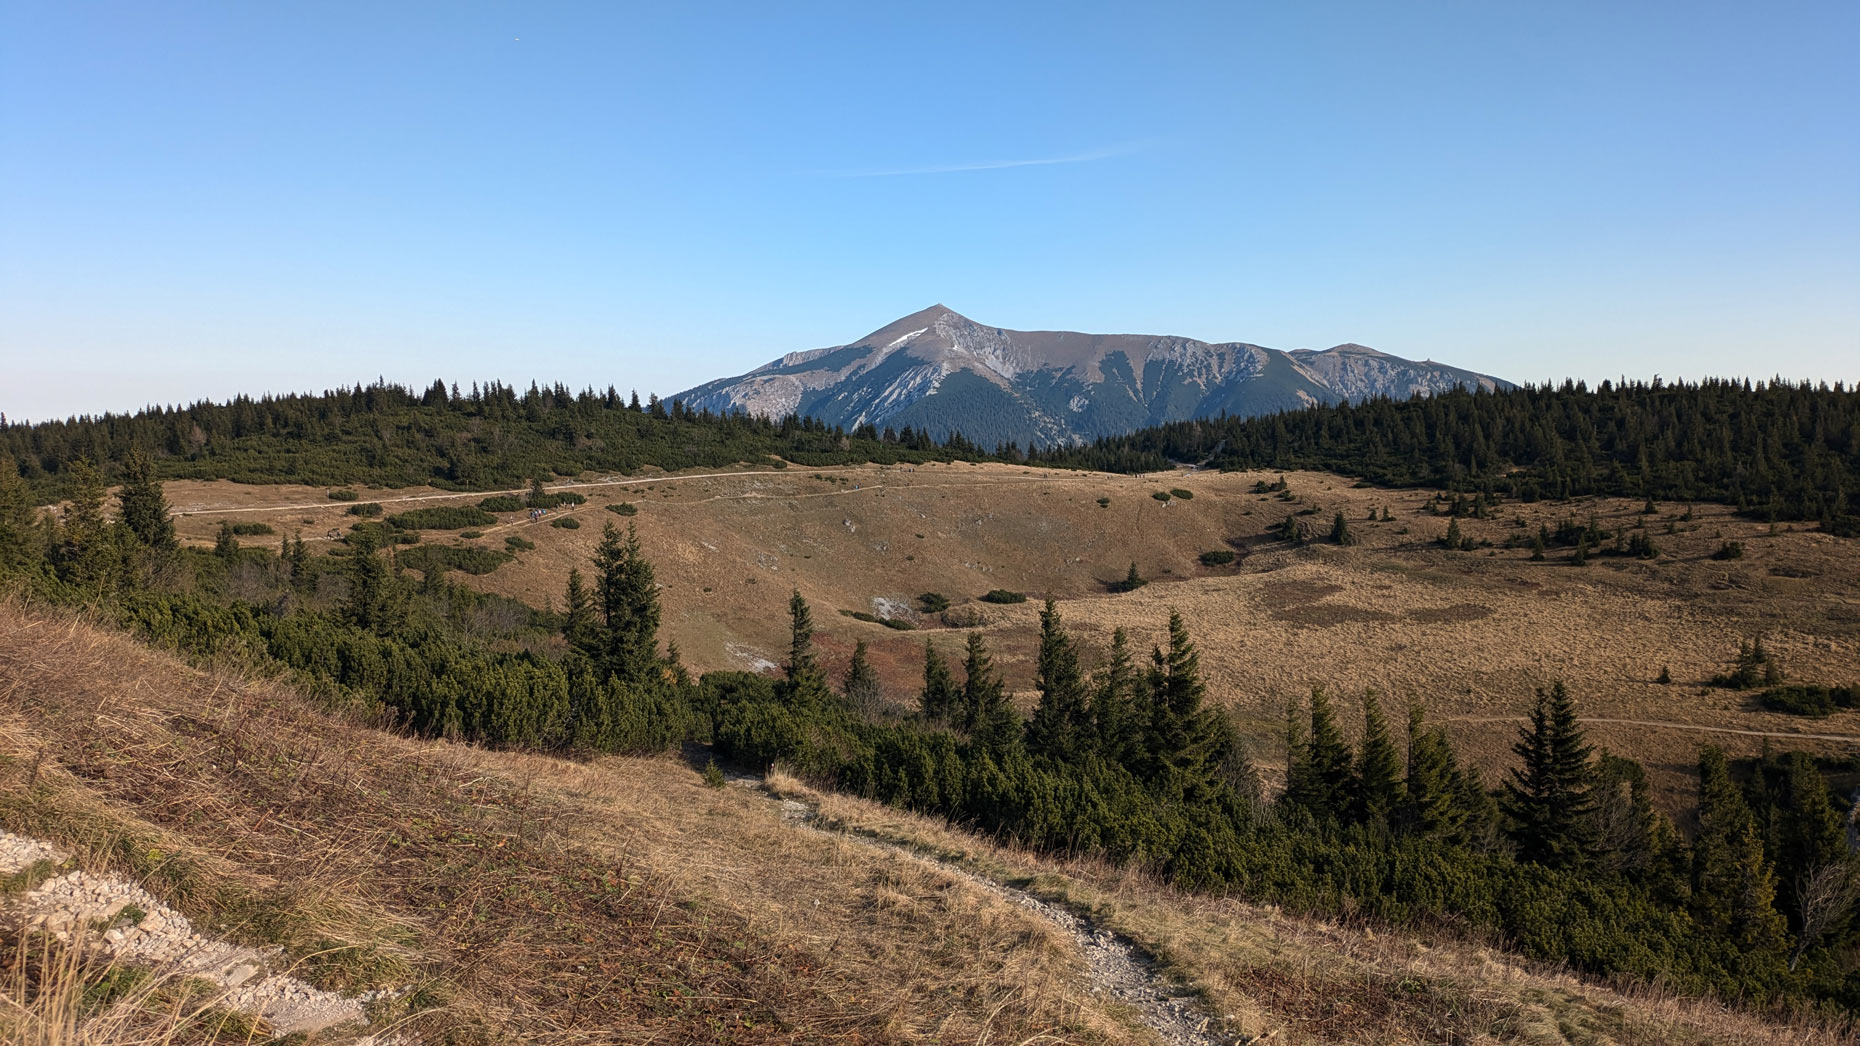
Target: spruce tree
940 696
1340 530
226 544
1453 540
861 686
1323 781
299 558
21 545
86 550
1428 808
1378 777
1733 885
580 622
987 714
372 602
144 507
1061 725
1547 798
1624 829
1182 736
1114 708
800 669
627 599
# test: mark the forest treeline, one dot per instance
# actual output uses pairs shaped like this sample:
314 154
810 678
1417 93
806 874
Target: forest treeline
1776 450
1566 859
489 437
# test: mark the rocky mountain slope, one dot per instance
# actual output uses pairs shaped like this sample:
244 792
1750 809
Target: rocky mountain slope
940 372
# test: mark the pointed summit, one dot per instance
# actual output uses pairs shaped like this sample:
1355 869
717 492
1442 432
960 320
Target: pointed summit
921 320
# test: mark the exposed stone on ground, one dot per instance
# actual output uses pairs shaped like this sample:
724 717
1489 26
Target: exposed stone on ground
132 927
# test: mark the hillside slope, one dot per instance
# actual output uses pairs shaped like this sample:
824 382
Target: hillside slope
1471 633
512 898
940 372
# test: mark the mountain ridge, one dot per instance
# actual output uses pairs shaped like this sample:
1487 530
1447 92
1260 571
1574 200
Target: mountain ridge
937 371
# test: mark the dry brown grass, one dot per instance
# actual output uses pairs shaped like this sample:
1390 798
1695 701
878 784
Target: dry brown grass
1472 634
525 898
1297 979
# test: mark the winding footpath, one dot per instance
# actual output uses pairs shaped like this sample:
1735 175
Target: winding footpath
1117 967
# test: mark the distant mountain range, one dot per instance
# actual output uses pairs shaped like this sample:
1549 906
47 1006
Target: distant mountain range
941 372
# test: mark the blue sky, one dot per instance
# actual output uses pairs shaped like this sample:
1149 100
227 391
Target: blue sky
198 199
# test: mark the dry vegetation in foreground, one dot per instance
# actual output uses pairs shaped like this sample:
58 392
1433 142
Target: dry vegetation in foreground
534 899
524 899
1297 979
1471 633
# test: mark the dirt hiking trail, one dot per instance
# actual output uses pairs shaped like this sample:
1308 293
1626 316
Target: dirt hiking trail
1117 967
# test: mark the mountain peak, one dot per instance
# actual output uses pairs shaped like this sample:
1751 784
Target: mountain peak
921 320
938 372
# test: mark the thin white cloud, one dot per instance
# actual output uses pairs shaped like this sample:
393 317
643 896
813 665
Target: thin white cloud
987 165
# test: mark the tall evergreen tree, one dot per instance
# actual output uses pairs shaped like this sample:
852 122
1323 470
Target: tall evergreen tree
1183 737
627 597
1061 727
1320 778
1379 772
1547 798
1114 708
987 714
144 506
1428 807
1733 885
226 543
861 686
372 603
21 545
940 699
801 667
580 620
86 551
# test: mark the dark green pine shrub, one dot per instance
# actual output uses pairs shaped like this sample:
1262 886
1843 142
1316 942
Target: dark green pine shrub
471 535
502 503
567 523
517 544
1160 495
1104 502
467 559
1185 495
1219 557
1806 700
933 602
449 517
625 508
343 495
1729 550
249 528
1002 595
365 509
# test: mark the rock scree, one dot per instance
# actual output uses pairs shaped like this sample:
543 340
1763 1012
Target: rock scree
129 925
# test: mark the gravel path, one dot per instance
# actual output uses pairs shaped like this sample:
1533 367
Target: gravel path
1118 967
130 926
